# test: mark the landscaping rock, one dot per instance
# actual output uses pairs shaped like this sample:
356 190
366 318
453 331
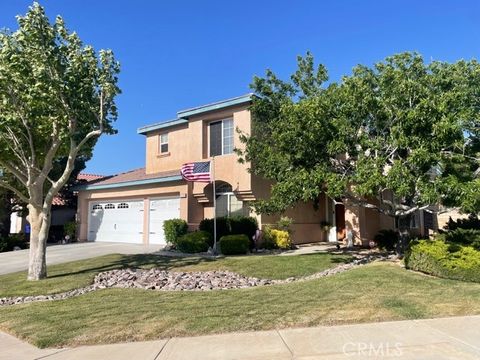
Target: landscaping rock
162 280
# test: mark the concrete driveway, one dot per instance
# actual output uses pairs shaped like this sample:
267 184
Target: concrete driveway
14 261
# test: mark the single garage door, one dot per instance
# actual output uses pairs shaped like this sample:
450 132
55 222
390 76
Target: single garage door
161 210
116 221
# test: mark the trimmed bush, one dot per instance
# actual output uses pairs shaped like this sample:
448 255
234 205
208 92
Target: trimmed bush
243 225
193 242
438 258
387 239
234 244
235 225
174 229
276 239
223 226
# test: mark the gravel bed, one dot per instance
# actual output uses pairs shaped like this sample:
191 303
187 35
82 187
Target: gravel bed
162 280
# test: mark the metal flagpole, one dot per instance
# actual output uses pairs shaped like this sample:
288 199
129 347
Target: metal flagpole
214 208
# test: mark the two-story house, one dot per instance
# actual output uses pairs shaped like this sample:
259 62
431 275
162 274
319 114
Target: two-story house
131 206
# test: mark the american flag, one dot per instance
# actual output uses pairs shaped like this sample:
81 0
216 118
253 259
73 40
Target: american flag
197 171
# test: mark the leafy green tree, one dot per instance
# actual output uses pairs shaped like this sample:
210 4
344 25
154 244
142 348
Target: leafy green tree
395 137
56 99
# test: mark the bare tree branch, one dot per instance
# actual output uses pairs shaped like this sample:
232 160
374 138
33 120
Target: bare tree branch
15 171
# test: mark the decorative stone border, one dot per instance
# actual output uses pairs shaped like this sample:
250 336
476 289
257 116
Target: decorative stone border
161 280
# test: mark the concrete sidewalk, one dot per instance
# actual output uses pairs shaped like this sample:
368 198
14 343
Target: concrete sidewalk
436 339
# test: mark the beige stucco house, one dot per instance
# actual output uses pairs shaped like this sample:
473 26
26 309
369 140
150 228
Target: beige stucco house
131 207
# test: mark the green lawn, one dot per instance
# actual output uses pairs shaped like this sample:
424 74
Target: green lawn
77 274
376 292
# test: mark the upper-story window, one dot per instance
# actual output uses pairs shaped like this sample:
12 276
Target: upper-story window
163 143
221 137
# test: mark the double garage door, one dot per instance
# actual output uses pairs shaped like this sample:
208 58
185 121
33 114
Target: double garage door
126 221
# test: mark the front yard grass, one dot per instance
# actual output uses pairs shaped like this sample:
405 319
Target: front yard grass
376 292
64 277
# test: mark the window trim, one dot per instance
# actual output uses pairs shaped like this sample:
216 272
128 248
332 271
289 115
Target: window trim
222 121
160 143
229 195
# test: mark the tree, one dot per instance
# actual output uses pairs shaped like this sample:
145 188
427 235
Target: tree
5 211
396 137
56 99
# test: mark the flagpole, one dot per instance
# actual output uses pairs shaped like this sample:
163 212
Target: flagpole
214 209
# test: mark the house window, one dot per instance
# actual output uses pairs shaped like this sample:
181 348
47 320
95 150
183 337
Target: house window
221 137
97 207
122 206
227 202
163 144
109 206
408 222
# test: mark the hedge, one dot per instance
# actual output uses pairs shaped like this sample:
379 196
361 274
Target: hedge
234 244
193 242
235 225
446 260
174 229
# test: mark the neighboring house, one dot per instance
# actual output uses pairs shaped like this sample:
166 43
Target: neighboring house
131 206
62 212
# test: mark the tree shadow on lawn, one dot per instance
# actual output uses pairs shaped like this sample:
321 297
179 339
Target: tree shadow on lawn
336 258
138 261
169 263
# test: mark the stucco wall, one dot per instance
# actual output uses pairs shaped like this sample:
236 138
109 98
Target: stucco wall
191 143
443 217
306 220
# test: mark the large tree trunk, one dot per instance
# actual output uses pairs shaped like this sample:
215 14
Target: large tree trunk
39 219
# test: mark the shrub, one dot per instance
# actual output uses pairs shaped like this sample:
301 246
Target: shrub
193 242
223 226
276 239
464 237
268 238
232 226
285 223
234 244
70 229
243 225
438 258
11 241
472 222
174 229
387 239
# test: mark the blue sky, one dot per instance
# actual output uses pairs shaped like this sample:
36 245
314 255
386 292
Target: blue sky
179 54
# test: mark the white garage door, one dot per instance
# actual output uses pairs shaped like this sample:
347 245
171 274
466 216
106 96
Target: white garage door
161 210
116 221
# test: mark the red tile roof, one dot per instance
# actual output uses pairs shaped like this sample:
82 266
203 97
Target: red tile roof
82 177
89 177
135 175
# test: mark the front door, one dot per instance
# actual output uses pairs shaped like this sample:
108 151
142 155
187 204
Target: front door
340 221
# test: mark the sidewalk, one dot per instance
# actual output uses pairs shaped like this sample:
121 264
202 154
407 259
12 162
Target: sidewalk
446 338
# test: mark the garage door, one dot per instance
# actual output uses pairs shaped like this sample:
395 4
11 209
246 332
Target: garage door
116 221
161 210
